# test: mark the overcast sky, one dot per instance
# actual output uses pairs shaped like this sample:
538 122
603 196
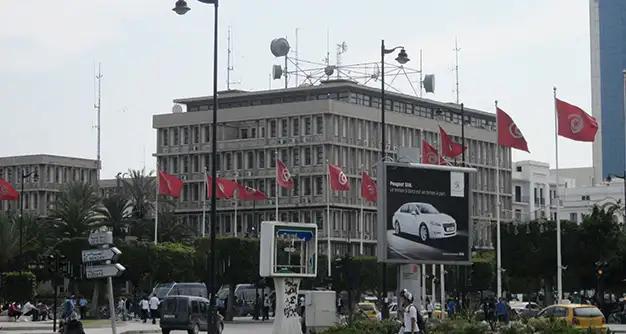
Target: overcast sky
512 51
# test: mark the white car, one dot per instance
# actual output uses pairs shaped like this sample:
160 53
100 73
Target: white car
424 221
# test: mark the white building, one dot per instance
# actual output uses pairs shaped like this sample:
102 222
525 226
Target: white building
534 186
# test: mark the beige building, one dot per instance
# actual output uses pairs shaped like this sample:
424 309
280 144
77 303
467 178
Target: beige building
336 121
52 171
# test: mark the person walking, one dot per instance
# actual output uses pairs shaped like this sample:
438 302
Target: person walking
145 308
68 307
501 311
266 308
154 308
429 308
410 319
82 307
121 306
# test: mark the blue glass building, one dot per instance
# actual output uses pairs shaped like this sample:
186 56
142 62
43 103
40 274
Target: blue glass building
608 60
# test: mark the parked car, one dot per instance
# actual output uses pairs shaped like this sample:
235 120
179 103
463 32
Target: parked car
524 310
163 290
369 310
393 311
579 315
424 221
245 298
186 313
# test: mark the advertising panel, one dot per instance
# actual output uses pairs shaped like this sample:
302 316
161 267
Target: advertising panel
424 214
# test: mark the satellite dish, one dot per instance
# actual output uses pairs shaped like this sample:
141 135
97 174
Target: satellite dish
177 109
429 83
277 72
329 70
279 47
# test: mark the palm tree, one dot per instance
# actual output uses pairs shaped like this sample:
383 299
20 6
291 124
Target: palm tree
34 239
77 211
141 191
117 212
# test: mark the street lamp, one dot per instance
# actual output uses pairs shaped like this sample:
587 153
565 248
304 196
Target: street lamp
402 58
180 9
24 174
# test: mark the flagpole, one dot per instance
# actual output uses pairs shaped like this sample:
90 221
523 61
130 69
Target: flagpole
328 246
156 202
361 227
204 202
559 266
235 194
498 206
276 181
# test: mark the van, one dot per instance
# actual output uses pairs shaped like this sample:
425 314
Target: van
186 313
163 290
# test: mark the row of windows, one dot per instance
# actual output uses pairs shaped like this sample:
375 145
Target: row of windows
48 174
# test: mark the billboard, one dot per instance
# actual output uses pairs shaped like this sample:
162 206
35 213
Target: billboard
424 214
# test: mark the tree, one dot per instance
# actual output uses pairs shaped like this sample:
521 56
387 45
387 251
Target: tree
140 188
34 240
77 211
117 212
173 262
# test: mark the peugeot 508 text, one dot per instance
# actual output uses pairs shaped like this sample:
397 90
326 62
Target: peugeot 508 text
424 221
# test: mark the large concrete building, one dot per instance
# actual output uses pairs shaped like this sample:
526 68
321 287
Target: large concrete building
608 60
52 173
337 121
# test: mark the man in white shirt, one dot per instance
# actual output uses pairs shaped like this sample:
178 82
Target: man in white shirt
145 308
154 308
410 314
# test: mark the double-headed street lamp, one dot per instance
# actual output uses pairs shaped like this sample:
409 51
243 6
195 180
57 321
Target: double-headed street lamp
24 174
180 9
402 58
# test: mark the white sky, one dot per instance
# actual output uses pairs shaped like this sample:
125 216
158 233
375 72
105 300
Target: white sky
512 51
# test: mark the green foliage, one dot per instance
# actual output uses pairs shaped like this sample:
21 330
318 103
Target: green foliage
135 259
140 189
173 262
366 327
76 211
117 212
18 286
34 239
458 326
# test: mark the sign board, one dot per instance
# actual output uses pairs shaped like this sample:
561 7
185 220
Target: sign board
288 250
105 254
424 214
101 238
105 270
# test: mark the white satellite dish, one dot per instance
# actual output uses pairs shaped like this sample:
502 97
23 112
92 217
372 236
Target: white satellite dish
429 83
177 109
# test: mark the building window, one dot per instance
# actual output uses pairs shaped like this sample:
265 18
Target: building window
196 135
307 126
185 164
252 132
196 164
239 160
284 128
585 198
320 155
273 128
262 131
164 135
319 125
175 135
185 135
573 217
261 159
229 161
319 185
296 157
250 160
319 220
307 156
174 165
244 133
273 159
518 194
295 126
307 186
207 134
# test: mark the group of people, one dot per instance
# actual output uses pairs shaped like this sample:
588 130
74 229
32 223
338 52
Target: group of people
496 310
262 307
146 307
37 312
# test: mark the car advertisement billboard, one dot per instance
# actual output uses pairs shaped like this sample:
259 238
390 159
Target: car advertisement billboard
424 214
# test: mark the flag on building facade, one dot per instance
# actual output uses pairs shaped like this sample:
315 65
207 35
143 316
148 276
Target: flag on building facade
7 192
449 147
225 188
574 123
337 179
368 188
246 193
430 154
509 135
283 177
169 185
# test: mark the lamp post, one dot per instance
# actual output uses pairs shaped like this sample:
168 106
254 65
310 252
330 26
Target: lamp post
24 174
180 9
402 58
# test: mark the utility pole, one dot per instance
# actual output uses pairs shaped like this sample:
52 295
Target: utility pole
456 68
229 66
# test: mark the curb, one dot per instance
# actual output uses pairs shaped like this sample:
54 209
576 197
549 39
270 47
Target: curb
142 331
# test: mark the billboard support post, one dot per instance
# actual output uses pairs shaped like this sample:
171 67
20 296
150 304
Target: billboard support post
498 208
433 286
442 285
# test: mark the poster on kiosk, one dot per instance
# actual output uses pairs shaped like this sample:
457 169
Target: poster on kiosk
425 214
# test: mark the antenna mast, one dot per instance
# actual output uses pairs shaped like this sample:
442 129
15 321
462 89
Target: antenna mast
229 67
297 63
421 75
97 106
456 68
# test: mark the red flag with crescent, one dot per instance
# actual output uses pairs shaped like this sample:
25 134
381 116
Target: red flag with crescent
368 188
575 123
225 188
169 185
283 177
7 192
338 179
430 155
509 135
449 147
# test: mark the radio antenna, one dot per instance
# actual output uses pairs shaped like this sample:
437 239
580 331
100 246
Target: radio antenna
98 106
456 68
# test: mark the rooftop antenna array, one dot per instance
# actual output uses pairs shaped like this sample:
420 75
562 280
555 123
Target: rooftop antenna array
456 67
364 73
97 105
229 66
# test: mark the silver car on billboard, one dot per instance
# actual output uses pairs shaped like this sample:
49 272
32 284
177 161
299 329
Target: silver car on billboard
423 221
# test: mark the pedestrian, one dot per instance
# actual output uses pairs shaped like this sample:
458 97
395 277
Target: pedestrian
30 310
257 307
121 307
154 308
43 311
450 307
82 307
266 308
145 308
68 308
501 313
14 311
410 321
429 308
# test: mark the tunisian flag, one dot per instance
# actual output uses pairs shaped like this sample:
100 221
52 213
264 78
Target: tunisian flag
338 179
250 194
283 177
368 188
7 192
449 148
509 135
169 185
574 123
430 155
225 187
